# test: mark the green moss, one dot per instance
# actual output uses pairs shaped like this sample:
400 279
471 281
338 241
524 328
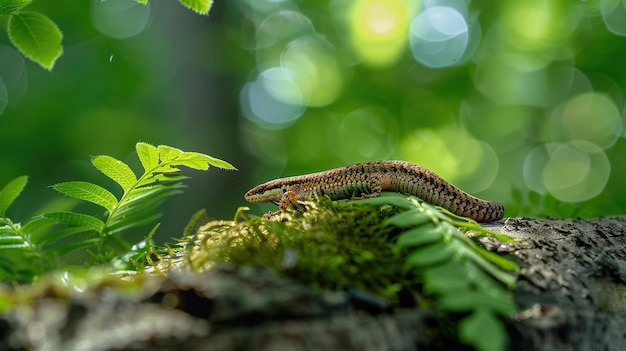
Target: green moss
329 245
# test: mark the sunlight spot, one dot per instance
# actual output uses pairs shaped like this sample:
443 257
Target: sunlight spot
614 15
576 171
265 110
374 124
120 19
588 116
312 63
439 36
378 29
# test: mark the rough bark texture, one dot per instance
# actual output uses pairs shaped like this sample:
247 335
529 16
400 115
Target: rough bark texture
571 293
571 289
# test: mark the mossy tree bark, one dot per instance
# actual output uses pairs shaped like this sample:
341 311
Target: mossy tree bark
571 294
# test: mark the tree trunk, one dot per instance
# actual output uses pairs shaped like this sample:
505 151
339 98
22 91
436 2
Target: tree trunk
571 289
571 294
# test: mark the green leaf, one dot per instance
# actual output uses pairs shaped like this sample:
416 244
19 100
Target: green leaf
410 218
160 179
192 162
148 155
77 220
450 276
431 254
9 7
89 192
460 300
37 37
83 242
479 256
143 2
200 6
10 192
216 162
52 238
200 161
483 330
168 153
9 240
116 170
386 198
37 227
420 236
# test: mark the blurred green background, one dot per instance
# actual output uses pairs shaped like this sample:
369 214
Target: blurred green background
516 101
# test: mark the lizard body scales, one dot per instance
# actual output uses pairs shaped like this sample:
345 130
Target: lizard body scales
368 179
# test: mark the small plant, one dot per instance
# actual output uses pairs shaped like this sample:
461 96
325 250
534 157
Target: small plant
33 248
463 276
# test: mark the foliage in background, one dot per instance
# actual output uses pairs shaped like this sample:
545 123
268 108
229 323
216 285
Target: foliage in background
389 245
524 95
509 115
40 244
39 39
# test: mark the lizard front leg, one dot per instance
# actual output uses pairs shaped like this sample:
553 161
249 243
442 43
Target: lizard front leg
286 200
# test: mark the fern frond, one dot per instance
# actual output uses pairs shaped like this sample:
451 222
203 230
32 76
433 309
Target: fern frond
40 244
465 277
142 193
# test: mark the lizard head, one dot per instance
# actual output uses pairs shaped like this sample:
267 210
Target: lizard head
266 192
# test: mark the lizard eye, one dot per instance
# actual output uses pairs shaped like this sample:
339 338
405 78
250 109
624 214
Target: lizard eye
261 190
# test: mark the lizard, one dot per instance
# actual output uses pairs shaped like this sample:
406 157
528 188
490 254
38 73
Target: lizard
369 179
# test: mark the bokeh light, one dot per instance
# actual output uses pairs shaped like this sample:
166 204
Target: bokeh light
454 154
500 99
439 36
537 24
12 76
259 105
592 117
378 29
367 123
315 70
576 171
120 18
613 14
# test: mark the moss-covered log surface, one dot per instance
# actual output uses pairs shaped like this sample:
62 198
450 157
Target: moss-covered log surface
570 293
